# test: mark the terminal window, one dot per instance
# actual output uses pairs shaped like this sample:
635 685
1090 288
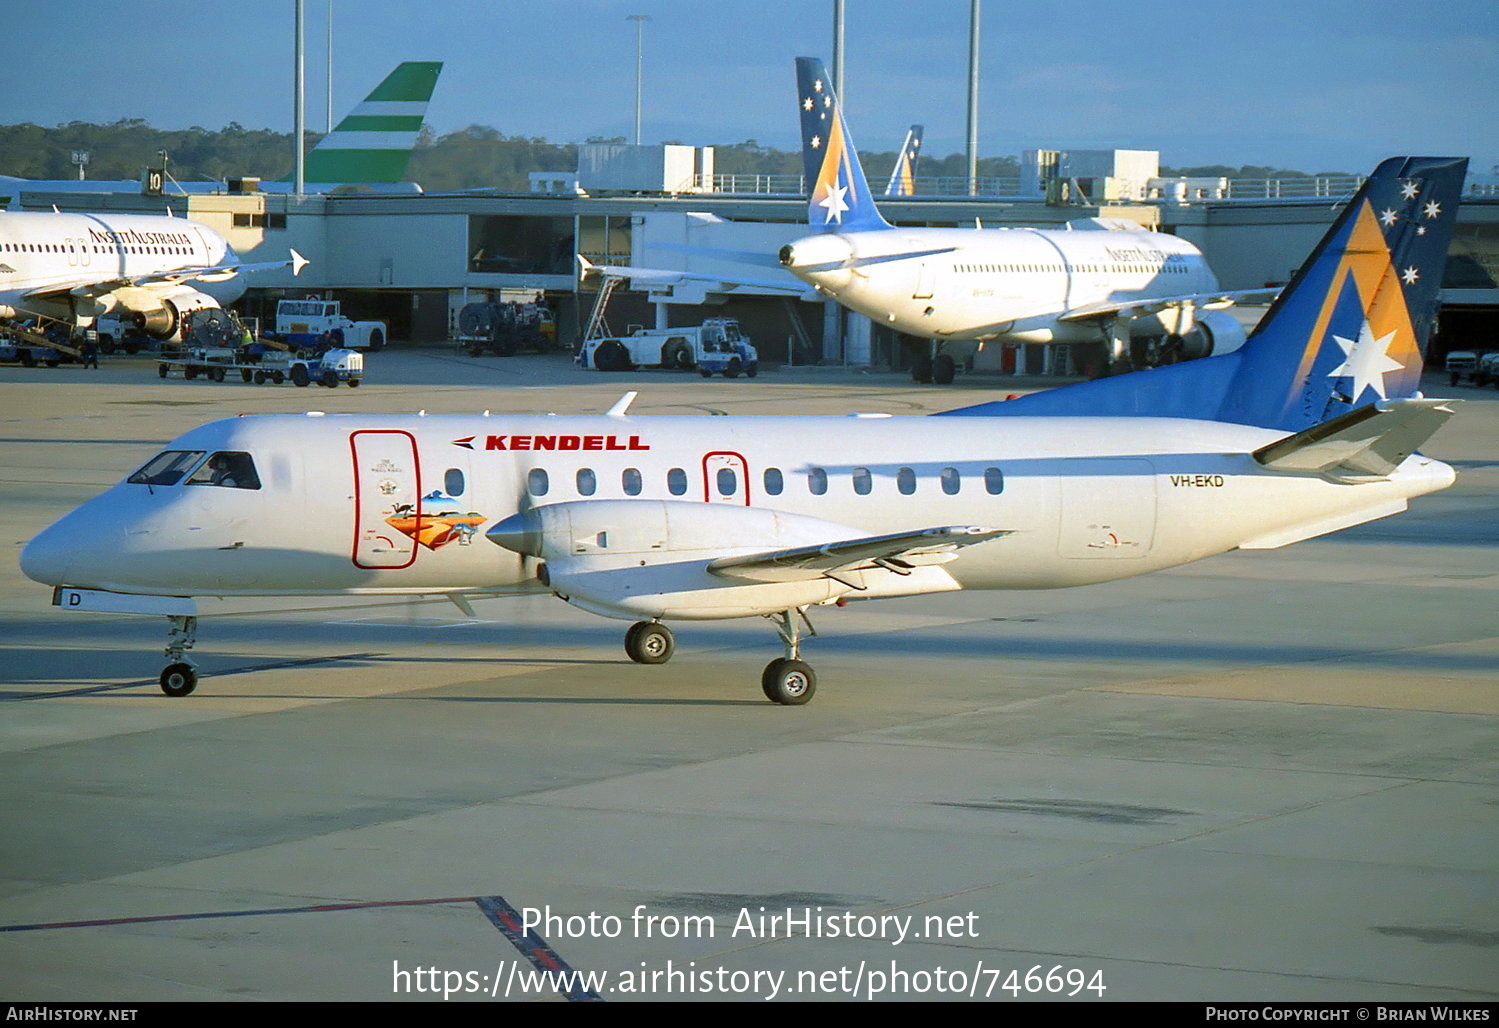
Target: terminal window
520 245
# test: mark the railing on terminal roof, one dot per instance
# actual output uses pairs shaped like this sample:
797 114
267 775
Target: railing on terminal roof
1332 188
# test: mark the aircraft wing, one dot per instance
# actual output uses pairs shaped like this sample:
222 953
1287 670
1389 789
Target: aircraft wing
1364 444
659 277
898 553
86 286
1154 304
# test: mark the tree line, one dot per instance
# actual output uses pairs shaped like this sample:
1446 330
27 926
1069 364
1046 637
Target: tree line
476 157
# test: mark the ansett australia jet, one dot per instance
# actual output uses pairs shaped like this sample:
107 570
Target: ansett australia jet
152 269
1099 281
1312 426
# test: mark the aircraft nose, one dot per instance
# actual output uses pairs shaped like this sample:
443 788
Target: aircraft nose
46 558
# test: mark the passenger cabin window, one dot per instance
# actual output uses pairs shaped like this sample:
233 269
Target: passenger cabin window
676 481
228 468
905 481
994 481
587 482
774 482
537 483
631 481
452 482
863 481
951 482
166 468
728 482
817 481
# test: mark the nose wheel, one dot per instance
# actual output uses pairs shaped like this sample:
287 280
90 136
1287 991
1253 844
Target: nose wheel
650 642
179 677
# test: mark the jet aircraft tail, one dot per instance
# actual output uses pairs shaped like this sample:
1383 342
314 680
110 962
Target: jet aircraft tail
1348 331
903 175
838 197
374 143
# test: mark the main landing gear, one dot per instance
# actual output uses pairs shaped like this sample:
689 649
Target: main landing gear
180 677
789 680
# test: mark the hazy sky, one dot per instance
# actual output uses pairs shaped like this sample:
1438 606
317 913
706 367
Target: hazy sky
1316 85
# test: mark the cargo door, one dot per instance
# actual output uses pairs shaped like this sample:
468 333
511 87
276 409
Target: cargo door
726 478
387 499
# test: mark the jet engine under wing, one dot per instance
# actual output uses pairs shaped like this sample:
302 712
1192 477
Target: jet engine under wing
1363 445
898 553
1153 305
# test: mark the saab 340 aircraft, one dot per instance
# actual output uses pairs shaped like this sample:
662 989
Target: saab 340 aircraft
1311 427
153 269
1100 281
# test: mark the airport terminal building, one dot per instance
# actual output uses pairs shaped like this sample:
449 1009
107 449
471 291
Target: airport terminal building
415 260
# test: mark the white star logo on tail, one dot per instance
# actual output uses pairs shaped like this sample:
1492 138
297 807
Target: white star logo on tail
1366 360
834 203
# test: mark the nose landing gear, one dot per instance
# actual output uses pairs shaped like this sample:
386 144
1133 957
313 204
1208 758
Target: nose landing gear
180 677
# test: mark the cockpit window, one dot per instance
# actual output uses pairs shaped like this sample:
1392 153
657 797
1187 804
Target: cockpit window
228 468
166 468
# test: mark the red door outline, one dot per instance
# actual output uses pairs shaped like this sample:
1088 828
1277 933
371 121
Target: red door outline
374 523
725 459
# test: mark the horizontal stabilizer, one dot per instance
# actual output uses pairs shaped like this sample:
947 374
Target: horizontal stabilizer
1366 443
898 553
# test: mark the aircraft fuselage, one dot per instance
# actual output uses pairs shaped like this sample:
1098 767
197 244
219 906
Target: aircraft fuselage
1000 283
355 504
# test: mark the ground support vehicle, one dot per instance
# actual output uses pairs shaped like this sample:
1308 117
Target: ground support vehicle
716 347
276 366
505 328
21 346
302 323
1467 364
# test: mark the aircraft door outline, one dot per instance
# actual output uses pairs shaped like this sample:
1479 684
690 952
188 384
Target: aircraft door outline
719 461
387 499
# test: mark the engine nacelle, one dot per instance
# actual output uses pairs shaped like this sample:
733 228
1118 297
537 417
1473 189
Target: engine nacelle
595 551
1215 333
161 312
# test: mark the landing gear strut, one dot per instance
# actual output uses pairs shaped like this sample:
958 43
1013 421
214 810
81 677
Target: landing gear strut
789 680
650 642
180 677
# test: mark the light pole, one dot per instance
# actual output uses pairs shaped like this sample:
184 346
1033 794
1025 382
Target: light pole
639 20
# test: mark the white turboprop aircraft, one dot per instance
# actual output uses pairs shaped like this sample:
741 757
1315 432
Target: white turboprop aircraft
1311 427
152 268
1098 281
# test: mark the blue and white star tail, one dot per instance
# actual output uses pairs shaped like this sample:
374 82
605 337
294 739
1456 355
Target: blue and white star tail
1353 324
1348 331
903 175
838 198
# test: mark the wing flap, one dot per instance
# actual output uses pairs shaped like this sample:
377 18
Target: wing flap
897 553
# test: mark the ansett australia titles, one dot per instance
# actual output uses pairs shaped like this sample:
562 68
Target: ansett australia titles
751 923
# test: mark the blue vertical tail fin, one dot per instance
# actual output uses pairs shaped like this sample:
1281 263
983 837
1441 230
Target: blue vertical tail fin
903 175
1353 324
838 198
